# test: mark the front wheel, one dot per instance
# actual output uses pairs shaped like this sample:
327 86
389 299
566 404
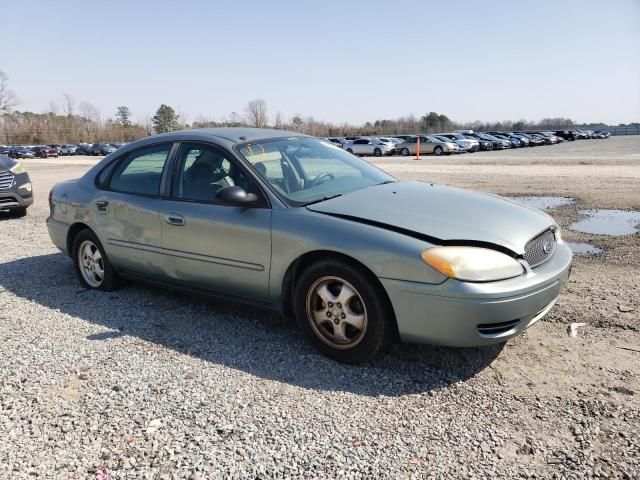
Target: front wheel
350 151
404 152
91 263
19 212
437 151
377 152
342 311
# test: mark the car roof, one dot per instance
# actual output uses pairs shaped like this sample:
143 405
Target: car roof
234 134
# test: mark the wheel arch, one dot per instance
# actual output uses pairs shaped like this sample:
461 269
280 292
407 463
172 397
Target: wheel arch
74 229
298 266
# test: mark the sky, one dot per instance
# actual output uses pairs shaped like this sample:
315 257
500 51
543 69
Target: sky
338 61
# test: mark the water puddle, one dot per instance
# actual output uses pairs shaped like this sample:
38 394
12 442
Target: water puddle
542 203
584 249
608 222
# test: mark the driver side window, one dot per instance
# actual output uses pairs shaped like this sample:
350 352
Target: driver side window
202 171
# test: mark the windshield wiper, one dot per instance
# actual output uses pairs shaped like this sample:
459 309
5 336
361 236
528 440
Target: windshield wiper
327 197
385 182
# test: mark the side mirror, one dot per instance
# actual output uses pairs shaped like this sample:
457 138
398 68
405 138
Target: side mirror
235 195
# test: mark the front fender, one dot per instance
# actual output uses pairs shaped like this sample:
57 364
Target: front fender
388 254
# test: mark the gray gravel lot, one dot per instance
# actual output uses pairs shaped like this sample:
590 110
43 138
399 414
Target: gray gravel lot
144 383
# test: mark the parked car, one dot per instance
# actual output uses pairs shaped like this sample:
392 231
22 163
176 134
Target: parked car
20 152
40 151
513 141
466 144
552 139
83 149
54 146
52 151
299 226
68 149
524 140
498 143
534 140
428 145
16 191
569 135
117 145
600 134
484 144
4 150
370 146
339 141
102 149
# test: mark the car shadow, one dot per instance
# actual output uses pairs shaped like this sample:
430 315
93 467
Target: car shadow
255 341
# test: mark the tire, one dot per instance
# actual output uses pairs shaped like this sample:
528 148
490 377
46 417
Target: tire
84 242
19 212
404 152
437 151
350 151
377 152
367 305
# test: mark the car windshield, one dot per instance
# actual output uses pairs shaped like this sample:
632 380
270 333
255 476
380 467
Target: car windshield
305 170
443 139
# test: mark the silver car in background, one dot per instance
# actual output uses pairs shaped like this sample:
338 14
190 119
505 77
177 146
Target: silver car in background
292 223
428 145
466 144
370 146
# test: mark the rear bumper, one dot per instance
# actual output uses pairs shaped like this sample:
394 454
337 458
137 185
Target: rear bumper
58 233
464 314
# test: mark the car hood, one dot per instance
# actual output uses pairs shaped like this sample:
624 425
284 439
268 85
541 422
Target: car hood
441 214
6 163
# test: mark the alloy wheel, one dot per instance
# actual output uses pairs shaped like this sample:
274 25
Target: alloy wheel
91 263
336 312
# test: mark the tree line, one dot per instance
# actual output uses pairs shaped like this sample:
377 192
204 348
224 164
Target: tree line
68 121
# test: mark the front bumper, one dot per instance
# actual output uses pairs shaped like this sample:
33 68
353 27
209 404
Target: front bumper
465 314
14 197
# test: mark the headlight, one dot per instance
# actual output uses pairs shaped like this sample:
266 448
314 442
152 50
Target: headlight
472 264
17 169
26 187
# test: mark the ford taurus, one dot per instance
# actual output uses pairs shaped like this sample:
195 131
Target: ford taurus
296 224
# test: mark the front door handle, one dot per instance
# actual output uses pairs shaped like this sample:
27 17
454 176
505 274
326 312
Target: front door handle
174 219
102 206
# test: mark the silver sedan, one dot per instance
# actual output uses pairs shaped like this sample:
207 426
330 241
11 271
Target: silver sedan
292 223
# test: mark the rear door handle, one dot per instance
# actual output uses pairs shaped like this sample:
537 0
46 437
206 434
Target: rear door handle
102 206
174 219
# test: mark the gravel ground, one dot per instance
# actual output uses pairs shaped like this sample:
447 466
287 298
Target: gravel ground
142 383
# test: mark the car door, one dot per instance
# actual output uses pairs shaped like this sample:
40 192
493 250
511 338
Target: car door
426 145
126 212
207 244
360 146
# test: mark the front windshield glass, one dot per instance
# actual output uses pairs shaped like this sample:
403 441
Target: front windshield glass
304 169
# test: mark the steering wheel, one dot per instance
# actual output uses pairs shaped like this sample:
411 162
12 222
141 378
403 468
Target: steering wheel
318 179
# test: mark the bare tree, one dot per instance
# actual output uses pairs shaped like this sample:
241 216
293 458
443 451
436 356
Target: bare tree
256 111
234 119
8 99
278 120
68 104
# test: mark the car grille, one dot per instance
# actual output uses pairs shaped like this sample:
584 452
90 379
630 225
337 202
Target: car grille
540 249
6 180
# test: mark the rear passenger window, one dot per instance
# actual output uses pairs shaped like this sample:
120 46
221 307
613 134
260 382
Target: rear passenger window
141 171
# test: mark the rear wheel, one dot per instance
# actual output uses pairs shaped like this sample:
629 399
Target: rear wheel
350 151
342 311
91 263
377 152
